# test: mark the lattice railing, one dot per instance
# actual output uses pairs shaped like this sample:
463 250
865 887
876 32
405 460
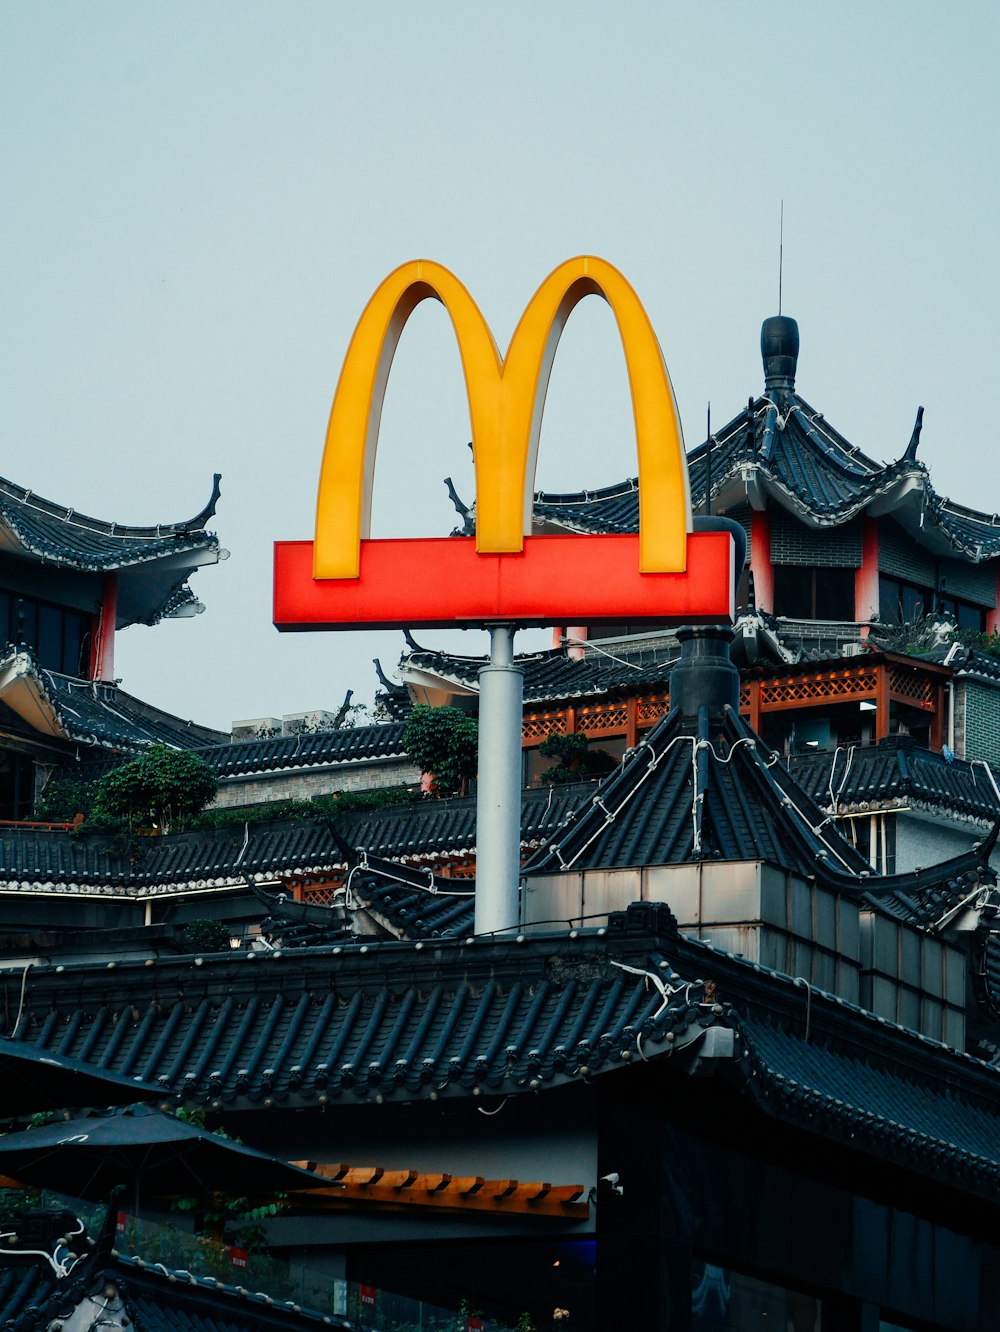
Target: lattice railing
912 686
320 894
537 725
807 689
602 717
651 708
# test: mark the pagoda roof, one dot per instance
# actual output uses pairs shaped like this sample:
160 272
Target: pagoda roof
684 795
781 449
89 712
153 562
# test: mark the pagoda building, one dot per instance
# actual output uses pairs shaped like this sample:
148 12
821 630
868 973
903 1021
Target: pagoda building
68 583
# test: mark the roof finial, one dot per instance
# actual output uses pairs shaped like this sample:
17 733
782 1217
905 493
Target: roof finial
779 348
911 449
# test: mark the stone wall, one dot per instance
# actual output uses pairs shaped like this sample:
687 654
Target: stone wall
304 783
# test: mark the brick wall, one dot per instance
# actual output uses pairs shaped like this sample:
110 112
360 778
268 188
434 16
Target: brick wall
981 721
971 582
902 557
794 543
303 785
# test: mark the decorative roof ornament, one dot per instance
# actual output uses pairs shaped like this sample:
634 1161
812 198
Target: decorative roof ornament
779 349
911 449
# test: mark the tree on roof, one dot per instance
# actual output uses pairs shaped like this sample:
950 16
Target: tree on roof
163 787
443 742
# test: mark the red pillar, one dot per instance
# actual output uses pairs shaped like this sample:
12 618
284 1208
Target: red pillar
760 559
866 578
993 616
102 652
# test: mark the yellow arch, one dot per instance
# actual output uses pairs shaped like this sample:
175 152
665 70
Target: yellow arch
506 400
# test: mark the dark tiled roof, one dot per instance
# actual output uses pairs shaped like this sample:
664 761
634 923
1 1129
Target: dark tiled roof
167 1301
401 1022
285 753
364 1022
98 712
153 563
818 1080
555 675
788 450
155 1298
436 827
33 860
679 797
64 537
744 807
855 778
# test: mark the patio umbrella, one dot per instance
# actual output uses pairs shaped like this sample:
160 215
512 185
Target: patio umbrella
152 1152
33 1079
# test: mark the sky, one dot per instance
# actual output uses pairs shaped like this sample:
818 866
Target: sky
200 198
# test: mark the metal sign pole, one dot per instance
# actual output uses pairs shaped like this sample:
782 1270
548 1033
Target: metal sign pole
498 802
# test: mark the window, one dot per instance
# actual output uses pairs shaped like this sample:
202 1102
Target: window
901 602
58 636
726 1301
803 593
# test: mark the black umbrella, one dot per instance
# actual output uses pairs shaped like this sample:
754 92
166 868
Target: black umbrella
151 1151
33 1079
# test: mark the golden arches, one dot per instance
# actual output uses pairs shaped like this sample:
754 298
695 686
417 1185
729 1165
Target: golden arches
506 399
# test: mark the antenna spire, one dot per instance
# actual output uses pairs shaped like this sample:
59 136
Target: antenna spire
781 252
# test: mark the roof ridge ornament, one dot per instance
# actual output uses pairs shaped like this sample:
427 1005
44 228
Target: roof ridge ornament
911 449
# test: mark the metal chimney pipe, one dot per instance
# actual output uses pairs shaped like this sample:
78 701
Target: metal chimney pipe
498 799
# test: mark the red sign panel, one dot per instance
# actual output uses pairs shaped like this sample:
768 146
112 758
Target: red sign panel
441 582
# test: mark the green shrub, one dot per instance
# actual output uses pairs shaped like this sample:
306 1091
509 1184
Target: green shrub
163 787
443 742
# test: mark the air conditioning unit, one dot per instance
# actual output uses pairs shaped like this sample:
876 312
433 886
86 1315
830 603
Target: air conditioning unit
256 728
852 649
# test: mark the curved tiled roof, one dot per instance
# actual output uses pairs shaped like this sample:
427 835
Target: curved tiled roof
782 447
286 753
35 860
73 540
365 1022
396 1023
553 674
682 796
858 778
153 563
93 712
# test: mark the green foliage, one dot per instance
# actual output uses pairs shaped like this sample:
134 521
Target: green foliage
63 798
576 760
163 787
443 742
980 640
207 936
571 751
323 806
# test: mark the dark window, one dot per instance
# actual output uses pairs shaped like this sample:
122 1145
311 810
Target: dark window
901 602
802 593
727 1301
60 637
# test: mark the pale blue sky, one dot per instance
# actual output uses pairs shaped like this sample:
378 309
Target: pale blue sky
199 199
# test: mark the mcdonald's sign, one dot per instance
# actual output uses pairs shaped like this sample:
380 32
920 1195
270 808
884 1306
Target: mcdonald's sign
344 579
